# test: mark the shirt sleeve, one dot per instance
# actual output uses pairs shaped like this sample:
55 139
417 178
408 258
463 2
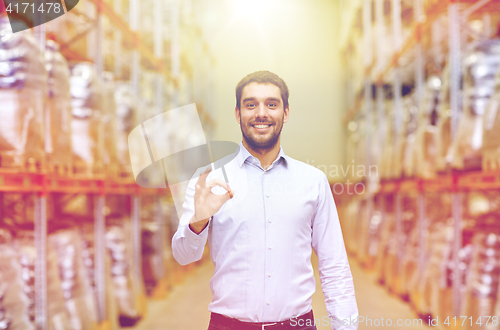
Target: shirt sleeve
187 246
335 273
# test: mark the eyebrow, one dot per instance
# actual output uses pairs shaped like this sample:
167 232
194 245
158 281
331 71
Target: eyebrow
249 99
268 99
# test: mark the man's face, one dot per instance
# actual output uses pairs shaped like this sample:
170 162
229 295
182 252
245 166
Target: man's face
262 115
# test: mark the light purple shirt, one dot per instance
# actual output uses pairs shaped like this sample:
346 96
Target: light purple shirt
260 243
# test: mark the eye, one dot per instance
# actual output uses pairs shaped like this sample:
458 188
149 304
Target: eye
272 105
250 105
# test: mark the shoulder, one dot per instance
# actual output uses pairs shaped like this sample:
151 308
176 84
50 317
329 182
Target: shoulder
305 170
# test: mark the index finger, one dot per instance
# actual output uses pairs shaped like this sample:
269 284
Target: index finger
202 180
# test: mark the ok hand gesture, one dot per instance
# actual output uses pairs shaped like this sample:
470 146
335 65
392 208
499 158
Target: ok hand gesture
206 203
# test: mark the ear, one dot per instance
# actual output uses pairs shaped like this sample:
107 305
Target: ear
285 114
237 115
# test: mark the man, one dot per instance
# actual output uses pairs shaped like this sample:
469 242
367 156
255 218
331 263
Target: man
261 229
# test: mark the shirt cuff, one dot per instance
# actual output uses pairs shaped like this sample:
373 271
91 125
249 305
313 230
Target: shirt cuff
197 239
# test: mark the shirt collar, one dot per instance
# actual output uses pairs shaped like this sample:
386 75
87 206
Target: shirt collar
244 154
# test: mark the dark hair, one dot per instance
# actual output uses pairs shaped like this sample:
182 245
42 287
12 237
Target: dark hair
262 77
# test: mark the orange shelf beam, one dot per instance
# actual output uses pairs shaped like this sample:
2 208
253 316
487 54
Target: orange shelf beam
444 183
11 181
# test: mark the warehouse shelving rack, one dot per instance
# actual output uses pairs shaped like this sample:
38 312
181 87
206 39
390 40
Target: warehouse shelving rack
376 69
41 185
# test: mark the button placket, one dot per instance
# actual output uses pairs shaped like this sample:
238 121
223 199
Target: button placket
265 186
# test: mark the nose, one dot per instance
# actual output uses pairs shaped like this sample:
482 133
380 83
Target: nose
261 111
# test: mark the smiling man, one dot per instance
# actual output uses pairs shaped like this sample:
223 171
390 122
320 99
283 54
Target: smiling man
260 241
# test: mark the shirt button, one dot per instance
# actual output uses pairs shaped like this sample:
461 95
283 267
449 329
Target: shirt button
196 240
270 247
268 274
268 195
268 302
269 220
192 254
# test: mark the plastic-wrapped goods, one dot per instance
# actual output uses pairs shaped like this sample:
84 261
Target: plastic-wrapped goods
422 297
87 248
153 246
360 155
491 129
465 254
126 120
443 136
400 247
87 130
21 60
482 282
352 142
438 208
127 287
356 148
387 240
23 89
438 276
419 289
57 110
387 168
375 146
88 253
387 251
481 63
75 283
403 162
425 150
110 153
349 224
57 315
370 236
410 263
387 268
433 279
13 300
359 229
150 255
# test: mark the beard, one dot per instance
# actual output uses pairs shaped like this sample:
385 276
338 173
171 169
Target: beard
262 144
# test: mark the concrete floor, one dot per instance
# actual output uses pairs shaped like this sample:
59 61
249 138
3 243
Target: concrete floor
186 306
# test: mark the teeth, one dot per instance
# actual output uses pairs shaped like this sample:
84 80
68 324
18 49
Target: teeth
261 126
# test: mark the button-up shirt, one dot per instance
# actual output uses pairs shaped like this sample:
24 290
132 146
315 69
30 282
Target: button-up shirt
260 243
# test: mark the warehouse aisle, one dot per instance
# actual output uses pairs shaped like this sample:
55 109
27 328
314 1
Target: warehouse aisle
186 306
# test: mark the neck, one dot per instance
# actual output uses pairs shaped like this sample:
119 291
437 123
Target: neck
265 156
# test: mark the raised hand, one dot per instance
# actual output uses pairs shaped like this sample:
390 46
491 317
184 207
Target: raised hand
206 203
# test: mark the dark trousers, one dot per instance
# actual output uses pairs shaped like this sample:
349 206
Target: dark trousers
219 322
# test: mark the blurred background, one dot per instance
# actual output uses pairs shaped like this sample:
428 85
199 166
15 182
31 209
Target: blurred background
394 100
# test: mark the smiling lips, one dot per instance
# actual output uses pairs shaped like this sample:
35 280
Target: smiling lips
261 126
